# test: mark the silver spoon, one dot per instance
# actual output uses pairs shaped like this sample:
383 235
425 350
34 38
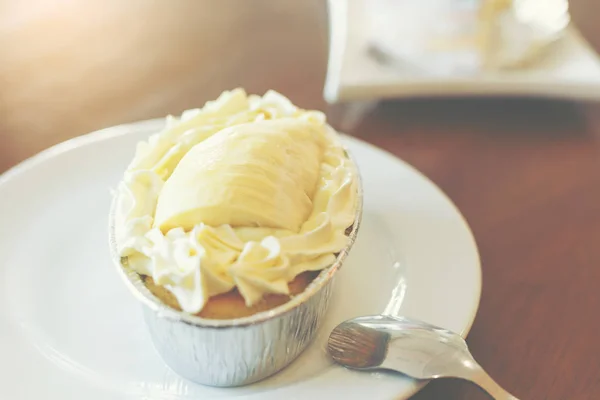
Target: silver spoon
414 348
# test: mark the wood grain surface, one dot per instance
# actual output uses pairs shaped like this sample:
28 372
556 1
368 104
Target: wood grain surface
525 173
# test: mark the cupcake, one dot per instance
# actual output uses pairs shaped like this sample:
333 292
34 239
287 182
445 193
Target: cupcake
229 225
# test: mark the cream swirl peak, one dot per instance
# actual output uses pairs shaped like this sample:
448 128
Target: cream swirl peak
246 192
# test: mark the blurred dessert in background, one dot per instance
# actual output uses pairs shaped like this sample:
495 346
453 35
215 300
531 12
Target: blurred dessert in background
465 37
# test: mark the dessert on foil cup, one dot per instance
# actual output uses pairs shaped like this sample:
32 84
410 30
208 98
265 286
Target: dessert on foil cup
242 350
238 351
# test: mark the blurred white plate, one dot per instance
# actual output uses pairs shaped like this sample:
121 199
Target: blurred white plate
69 329
570 71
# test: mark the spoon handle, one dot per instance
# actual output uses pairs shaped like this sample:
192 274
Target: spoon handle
484 381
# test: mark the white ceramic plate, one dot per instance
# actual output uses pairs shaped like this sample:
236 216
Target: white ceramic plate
570 71
69 329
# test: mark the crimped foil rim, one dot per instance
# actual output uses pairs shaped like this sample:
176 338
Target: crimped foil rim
142 293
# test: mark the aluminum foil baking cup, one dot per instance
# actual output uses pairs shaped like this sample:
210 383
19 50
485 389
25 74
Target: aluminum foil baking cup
238 351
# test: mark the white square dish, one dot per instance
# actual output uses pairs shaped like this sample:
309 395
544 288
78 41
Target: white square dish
570 71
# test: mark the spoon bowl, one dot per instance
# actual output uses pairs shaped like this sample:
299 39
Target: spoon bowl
412 347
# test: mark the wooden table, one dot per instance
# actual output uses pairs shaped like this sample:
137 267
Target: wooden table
525 173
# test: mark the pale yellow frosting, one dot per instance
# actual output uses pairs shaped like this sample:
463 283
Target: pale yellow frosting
246 192
255 174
